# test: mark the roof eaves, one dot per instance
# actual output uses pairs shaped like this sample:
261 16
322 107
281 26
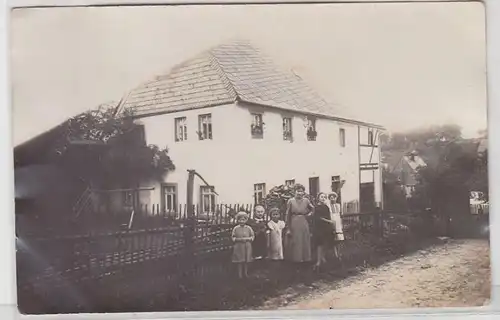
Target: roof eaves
319 115
167 111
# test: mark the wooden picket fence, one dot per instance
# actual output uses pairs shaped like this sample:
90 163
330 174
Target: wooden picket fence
68 272
146 216
480 209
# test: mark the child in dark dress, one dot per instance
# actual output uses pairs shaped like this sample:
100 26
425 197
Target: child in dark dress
259 226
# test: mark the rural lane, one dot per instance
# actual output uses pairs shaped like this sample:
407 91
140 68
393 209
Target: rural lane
453 274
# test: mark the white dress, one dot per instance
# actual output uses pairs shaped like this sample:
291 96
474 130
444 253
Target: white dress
337 219
276 239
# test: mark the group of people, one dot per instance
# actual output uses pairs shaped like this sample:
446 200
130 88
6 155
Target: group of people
289 238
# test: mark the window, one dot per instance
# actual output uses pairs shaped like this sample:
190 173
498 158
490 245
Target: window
342 137
290 183
257 127
139 135
205 127
169 197
370 138
180 129
259 192
311 129
128 198
207 198
337 187
287 129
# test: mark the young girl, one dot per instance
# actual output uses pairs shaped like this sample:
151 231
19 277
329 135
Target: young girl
275 232
242 236
258 224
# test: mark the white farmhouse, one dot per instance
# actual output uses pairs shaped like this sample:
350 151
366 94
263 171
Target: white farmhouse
246 126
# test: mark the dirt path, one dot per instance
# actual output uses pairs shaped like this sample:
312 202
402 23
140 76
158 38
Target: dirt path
454 274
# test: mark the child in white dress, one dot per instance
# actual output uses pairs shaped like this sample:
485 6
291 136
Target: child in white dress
275 235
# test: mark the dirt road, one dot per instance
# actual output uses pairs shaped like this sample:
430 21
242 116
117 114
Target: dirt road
453 274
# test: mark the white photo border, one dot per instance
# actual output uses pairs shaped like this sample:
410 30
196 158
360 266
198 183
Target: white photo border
8 306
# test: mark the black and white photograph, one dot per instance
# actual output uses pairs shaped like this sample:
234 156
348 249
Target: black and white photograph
250 157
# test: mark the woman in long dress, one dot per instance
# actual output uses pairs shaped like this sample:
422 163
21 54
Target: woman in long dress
298 209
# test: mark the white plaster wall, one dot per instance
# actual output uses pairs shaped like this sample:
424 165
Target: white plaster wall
233 161
371 155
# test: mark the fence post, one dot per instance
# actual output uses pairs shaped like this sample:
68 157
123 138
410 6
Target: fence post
188 232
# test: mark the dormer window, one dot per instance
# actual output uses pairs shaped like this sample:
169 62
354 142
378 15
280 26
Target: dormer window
311 129
287 129
257 127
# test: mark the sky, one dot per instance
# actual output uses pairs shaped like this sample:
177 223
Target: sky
401 65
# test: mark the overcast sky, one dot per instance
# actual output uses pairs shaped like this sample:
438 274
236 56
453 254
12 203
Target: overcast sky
400 65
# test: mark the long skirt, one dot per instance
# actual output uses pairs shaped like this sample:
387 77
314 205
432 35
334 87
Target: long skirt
299 245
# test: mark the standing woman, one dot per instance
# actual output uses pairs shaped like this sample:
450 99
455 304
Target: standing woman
297 211
337 220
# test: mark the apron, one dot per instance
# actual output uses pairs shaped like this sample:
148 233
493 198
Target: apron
337 219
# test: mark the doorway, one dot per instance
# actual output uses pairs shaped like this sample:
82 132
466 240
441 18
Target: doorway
313 187
367 197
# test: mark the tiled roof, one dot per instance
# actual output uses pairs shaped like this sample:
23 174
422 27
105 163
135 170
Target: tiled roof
393 158
416 163
225 74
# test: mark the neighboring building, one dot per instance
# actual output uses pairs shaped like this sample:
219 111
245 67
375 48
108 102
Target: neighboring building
42 186
483 146
404 165
246 127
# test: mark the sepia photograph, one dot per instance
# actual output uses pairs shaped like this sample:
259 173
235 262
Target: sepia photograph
250 157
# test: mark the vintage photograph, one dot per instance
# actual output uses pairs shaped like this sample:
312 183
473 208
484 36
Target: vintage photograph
250 157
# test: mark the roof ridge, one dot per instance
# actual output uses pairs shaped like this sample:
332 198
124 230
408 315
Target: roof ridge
235 70
225 79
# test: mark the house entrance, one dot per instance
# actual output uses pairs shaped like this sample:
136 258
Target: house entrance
367 197
314 187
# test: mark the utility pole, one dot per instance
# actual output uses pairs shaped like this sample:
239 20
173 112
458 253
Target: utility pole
190 228
190 191
188 233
